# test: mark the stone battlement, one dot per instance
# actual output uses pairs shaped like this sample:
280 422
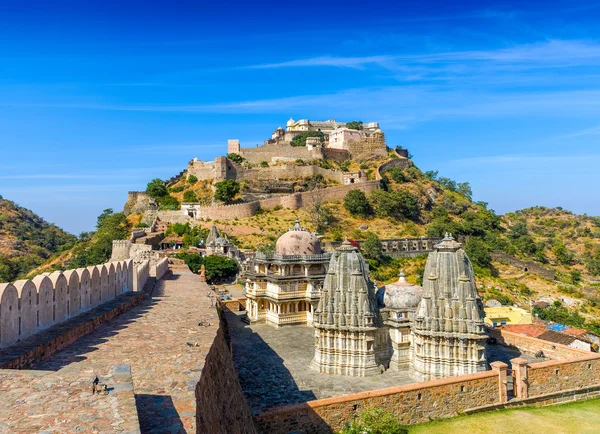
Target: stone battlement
30 306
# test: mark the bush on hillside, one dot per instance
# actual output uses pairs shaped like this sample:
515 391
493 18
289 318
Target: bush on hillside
395 204
192 179
110 226
225 191
357 204
156 189
371 247
190 196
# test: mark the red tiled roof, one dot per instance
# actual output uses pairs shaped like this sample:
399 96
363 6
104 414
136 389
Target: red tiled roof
532 330
575 332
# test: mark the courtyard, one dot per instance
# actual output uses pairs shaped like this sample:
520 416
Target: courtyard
273 366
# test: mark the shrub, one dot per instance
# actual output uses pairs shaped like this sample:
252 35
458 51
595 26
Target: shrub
264 164
357 204
236 158
225 191
374 421
177 189
354 125
372 246
300 139
156 189
218 268
192 179
190 196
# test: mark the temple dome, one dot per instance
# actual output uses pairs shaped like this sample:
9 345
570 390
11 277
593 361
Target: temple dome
298 241
290 122
402 294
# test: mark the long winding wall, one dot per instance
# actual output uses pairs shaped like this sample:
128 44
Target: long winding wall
30 306
248 209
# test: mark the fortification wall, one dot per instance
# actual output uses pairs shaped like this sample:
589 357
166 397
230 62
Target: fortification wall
559 376
161 268
138 202
397 248
242 210
288 172
220 402
411 404
30 306
528 266
279 151
339 155
397 163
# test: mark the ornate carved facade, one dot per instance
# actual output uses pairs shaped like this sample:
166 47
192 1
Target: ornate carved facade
448 333
284 287
349 337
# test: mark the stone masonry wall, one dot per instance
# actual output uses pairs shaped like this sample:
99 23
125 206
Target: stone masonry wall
533 345
220 402
557 376
529 266
411 404
242 210
278 151
288 171
30 306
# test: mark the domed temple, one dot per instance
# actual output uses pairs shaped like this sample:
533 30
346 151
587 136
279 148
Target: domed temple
349 337
399 302
284 287
448 333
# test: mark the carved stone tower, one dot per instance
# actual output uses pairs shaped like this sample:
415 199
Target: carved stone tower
349 339
448 334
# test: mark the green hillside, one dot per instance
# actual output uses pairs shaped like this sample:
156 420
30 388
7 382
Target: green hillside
27 241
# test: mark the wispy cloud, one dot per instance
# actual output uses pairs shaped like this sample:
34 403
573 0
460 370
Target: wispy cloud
524 158
594 131
546 54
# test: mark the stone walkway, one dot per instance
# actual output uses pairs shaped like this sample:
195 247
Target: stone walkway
273 367
162 342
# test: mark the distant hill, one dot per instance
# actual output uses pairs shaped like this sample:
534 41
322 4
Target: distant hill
27 241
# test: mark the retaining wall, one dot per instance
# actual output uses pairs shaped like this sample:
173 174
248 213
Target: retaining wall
30 306
411 404
528 266
242 210
220 402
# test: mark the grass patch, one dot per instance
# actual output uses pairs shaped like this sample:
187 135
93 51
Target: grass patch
572 418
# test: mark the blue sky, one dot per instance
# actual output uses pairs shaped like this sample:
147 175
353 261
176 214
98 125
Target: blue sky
97 98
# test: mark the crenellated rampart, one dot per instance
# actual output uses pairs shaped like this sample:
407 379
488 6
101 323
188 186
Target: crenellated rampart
31 306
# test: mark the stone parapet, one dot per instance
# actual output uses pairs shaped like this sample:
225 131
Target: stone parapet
30 306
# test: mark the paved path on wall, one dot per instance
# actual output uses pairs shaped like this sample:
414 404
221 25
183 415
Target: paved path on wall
273 367
154 339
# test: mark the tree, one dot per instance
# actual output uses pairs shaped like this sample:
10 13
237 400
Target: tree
156 189
236 158
563 256
396 204
190 196
300 139
357 204
355 125
372 247
478 252
218 268
192 179
225 191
